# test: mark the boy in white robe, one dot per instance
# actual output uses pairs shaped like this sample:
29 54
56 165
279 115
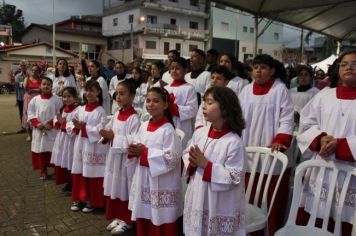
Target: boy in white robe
268 112
183 100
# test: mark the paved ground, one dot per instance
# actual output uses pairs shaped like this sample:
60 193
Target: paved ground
28 205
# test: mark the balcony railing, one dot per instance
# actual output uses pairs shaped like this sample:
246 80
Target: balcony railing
169 30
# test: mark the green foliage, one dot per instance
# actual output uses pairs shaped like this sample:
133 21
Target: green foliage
10 15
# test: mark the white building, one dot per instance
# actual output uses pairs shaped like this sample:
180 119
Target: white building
155 27
233 31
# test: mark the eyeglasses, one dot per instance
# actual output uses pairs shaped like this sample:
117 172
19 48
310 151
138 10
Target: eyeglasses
345 64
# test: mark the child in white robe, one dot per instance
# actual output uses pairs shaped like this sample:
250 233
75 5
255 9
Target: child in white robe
62 154
120 167
215 160
89 154
328 131
183 99
220 77
155 197
268 112
41 111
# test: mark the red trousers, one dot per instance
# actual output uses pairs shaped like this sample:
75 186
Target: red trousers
88 189
117 209
41 160
146 228
63 175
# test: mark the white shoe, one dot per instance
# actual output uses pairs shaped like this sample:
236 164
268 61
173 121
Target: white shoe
113 224
75 206
121 228
88 208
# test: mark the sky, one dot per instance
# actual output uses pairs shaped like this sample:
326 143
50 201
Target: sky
40 11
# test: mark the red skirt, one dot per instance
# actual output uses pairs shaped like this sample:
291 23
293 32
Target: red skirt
146 228
41 160
63 175
88 189
117 209
279 209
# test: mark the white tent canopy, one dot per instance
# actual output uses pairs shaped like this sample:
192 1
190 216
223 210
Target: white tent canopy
324 64
335 18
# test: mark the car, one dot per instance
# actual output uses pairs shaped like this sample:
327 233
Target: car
6 88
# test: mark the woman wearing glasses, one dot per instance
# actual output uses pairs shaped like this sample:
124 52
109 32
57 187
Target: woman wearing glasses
327 131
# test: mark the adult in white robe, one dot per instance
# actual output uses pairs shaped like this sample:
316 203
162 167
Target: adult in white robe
237 84
105 91
62 78
120 167
331 113
215 199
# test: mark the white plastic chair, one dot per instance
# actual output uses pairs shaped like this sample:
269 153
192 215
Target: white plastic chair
334 169
266 163
180 134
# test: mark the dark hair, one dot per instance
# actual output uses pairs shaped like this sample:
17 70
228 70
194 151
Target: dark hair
230 107
213 52
307 68
90 84
264 59
165 97
98 65
181 61
160 66
347 52
222 70
48 79
280 72
111 60
71 90
333 73
200 52
241 71
66 72
130 85
175 52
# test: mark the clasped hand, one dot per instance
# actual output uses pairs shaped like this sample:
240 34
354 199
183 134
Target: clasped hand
135 149
196 157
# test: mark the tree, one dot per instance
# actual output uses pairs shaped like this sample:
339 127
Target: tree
10 15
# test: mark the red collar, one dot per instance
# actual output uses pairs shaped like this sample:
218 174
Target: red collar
178 82
346 93
91 107
262 89
46 96
218 134
154 125
125 114
69 108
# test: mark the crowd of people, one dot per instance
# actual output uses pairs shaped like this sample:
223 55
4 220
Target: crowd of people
112 136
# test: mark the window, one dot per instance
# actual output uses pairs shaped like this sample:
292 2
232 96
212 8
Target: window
243 49
192 47
173 0
276 36
252 30
151 19
115 21
173 21
194 3
178 46
193 25
224 26
150 44
244 29
165 48
116 44
131 18
259 51
64 45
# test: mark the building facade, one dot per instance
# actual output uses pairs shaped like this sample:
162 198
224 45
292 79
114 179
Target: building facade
155 27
